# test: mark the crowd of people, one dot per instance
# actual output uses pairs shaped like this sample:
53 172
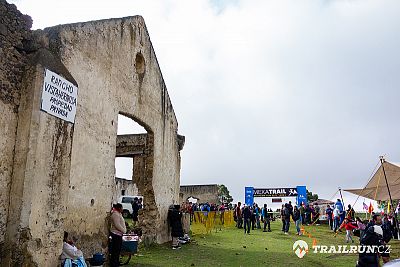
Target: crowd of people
252 216
377 231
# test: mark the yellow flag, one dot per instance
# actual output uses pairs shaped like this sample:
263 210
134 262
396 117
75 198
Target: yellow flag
388 209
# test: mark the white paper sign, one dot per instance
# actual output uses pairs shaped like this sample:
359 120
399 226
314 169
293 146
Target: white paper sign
59 96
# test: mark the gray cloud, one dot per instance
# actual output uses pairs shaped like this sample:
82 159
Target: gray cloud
272 93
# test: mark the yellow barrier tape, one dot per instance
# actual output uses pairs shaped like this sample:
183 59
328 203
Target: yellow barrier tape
204 222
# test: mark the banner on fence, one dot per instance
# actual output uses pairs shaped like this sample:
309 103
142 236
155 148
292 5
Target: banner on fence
205 222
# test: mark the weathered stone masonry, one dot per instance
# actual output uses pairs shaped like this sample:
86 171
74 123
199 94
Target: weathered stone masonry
57 176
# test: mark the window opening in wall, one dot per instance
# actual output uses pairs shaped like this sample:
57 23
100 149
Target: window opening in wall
124 164
124 168
129 126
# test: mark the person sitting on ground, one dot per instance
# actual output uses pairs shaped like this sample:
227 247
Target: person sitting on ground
71 255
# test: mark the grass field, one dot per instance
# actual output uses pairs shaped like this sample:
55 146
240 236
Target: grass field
230 247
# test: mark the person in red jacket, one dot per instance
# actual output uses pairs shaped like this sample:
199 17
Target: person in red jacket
349 227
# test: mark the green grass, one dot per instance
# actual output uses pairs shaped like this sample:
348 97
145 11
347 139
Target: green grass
230 247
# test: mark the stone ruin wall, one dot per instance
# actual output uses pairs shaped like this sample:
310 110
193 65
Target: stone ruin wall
204 193
106 56
131 146
61 176
123 184
14 33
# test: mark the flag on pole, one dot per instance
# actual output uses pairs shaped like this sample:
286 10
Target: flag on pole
365 206
388 209
370 208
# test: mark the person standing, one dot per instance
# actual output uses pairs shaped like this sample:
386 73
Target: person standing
328 213
135 211
117 229
286 214
239 215
342 213
302 213
373 236
266 216
246 219
297 219
360 226
349 227
307 211
257 211
253 217
336 219
317 210
283 218
175 222
350 213
290 207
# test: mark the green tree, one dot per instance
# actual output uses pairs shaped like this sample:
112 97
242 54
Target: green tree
311 197
223 194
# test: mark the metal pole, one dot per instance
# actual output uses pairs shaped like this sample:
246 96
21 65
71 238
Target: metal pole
344 206
382 159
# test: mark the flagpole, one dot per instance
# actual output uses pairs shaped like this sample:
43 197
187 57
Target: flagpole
366 211
382 159
344 206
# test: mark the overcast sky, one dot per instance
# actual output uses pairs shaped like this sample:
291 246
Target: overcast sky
270 93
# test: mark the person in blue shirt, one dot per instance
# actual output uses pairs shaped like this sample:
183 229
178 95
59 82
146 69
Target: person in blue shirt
342 213
266 217
328 213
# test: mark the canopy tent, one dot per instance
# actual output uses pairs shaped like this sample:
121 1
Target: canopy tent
376 188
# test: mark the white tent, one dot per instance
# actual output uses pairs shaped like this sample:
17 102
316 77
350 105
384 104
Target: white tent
376 188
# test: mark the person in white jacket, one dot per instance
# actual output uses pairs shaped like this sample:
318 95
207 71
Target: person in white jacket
117 229
336 219
71 254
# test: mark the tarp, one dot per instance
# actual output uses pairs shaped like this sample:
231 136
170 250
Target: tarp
376 188
205 222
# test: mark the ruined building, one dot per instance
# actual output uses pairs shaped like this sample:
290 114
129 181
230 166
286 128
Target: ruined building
61 90
202 193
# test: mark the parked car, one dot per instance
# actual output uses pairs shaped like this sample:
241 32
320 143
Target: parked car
126 202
